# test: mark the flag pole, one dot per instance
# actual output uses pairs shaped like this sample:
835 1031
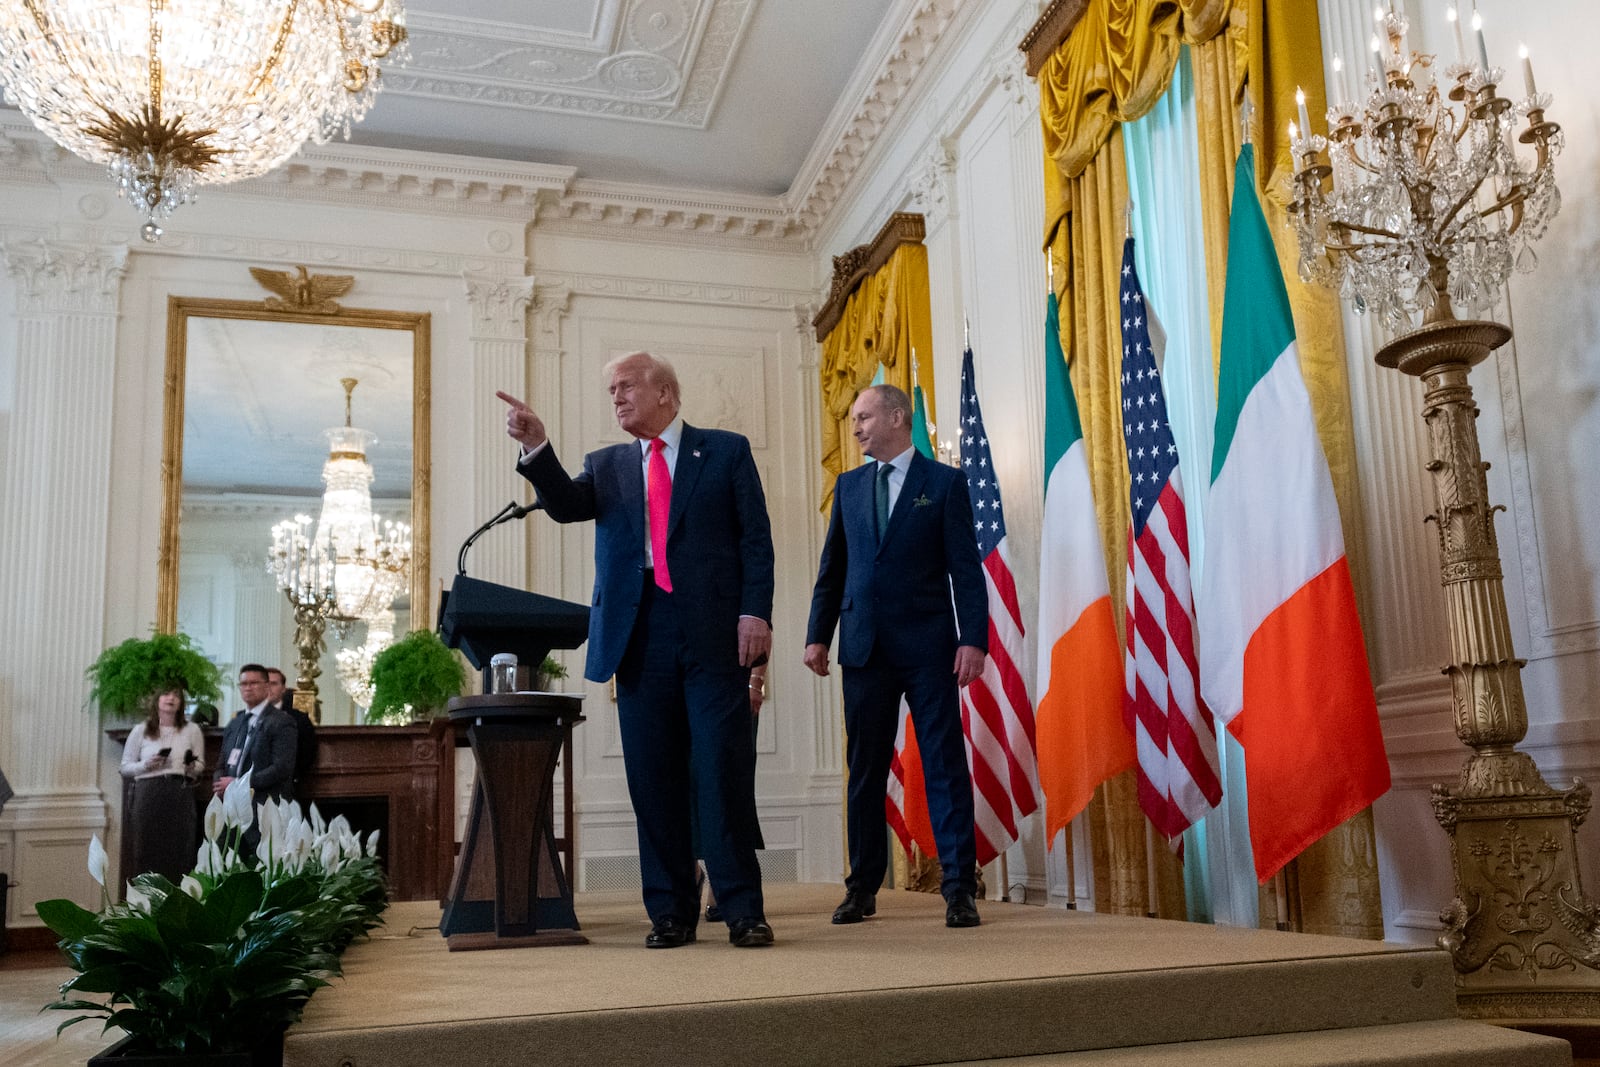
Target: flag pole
1066 831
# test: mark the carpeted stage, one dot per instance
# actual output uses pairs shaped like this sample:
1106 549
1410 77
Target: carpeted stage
1063 987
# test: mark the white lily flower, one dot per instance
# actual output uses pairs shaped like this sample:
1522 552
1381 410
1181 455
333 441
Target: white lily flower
216 820
330 856
318 823
300 847
208 861
372 844
236 802
339 827
192 886
98 860
138 899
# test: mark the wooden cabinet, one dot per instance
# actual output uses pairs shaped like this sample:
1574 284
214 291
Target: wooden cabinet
397 779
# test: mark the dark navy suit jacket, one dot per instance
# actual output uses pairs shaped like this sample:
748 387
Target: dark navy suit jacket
270 754
895 597
719 541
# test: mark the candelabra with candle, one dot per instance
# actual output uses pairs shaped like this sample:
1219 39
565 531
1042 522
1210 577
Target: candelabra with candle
1422 206
306 577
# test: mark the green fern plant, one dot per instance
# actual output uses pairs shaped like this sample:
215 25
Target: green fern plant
124 675
415 675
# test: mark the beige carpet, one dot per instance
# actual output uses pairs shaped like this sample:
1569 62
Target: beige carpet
1029 981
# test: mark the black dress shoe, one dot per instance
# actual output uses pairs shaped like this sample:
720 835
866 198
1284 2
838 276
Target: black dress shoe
961 910
668 932
713 913
856 906
749 933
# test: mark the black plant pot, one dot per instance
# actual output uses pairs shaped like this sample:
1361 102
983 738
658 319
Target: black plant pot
125 1054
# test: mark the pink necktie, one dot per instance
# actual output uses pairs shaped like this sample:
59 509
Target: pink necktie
660 507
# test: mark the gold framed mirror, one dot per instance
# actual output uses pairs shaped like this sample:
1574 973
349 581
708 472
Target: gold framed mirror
252 389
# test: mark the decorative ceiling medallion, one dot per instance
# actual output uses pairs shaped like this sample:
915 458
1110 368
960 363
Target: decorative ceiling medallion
660 61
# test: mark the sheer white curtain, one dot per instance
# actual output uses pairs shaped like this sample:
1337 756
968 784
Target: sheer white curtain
1163 158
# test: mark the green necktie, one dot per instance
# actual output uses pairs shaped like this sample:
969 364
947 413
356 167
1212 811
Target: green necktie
882 498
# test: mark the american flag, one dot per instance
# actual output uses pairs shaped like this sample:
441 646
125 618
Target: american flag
995 711
1171 726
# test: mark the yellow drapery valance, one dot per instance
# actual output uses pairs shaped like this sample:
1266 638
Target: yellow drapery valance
883 321
1112 68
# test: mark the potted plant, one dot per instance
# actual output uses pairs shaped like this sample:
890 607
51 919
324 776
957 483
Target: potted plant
215 969
549 670
414 677
124 675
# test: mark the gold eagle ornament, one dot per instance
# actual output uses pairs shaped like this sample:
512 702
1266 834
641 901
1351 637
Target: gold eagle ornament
303 291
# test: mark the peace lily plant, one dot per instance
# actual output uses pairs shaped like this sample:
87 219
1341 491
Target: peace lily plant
225 960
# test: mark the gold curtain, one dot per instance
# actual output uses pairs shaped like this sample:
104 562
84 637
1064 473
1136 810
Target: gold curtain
887 318
1113 66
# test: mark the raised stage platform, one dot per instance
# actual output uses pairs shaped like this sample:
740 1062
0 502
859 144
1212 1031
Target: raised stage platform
1057 986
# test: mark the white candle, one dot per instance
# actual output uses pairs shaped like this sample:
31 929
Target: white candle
1338 81
1300 103
1377 68
1483 49
1461 44
1527 70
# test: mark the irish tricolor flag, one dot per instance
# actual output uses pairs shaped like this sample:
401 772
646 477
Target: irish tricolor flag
1282 661
1080 735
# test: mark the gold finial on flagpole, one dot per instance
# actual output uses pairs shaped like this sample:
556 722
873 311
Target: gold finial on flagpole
1246 113
966 333
1127 220
1050 269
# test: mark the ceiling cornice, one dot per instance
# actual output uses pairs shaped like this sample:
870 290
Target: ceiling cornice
867 105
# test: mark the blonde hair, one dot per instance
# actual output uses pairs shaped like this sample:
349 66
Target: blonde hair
658 371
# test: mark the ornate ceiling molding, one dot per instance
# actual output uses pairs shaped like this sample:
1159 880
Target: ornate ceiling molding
656 61
918 36
647 213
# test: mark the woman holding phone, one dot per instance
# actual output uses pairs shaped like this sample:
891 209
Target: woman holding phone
163 756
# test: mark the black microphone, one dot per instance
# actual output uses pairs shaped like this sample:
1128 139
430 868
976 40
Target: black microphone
511 511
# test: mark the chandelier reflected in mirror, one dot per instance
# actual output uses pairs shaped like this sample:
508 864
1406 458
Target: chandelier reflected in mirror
351 567
171 94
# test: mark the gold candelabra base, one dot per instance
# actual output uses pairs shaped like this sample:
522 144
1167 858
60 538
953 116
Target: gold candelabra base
309 638
1524 938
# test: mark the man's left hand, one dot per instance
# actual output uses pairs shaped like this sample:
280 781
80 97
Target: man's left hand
969 664
755 640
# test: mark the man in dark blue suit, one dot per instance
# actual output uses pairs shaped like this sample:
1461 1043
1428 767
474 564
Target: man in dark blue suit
899 544
682 610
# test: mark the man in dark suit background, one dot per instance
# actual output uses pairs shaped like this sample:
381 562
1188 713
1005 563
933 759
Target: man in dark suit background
900 542
305 731
260 739
682 610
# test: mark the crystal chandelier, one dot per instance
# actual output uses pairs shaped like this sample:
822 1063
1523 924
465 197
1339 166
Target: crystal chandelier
171 94
355 664
353 566
1429 207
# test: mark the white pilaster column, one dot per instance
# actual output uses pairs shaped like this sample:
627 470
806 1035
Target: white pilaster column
54 484
545 384
499 361
827 713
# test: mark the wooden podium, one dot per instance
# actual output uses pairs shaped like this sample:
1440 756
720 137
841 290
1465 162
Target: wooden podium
510 889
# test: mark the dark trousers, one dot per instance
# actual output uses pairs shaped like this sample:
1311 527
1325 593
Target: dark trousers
686 734
871 718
